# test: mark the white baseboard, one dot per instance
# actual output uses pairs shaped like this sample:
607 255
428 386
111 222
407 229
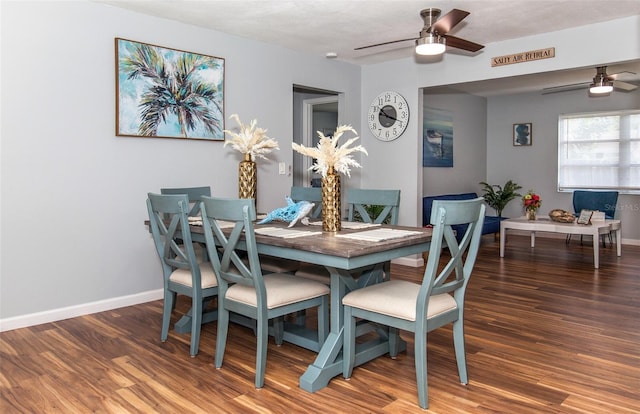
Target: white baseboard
53 315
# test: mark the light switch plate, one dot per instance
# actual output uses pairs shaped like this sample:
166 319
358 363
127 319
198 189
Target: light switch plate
282 168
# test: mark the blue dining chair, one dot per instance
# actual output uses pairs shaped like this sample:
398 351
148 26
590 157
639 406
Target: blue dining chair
311 194
245 290
421 308
604 201
193 193
362 202
182 273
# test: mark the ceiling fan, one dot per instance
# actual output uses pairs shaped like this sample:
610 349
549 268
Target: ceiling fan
433 37
602 84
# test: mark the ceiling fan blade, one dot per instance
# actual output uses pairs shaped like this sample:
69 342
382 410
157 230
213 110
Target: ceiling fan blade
448 21
624 86
565 88
385 43
462 44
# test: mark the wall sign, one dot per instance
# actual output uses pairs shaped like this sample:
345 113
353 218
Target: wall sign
524 57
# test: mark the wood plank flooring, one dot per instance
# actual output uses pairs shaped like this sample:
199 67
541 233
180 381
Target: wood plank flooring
546 333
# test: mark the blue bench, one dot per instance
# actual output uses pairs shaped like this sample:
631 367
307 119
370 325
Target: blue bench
491 223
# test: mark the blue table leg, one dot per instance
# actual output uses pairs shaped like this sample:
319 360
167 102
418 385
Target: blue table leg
328 363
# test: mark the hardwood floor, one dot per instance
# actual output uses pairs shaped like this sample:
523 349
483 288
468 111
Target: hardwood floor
545 331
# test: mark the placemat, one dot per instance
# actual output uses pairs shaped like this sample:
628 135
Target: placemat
285 233
350 225
378 234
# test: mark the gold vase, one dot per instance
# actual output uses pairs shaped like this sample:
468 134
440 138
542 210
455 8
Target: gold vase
247 178
331 214
531 214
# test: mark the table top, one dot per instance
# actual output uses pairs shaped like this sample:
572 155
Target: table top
338 248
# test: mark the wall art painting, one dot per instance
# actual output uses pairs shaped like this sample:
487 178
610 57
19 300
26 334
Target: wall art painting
522 134
437 138
168 93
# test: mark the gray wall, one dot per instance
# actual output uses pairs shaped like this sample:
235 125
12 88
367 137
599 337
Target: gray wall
536 167
483 141
398 164
73 194
469 145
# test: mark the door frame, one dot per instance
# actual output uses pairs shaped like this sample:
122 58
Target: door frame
308 106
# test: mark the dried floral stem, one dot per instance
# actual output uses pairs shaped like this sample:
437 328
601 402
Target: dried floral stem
329 155
251 139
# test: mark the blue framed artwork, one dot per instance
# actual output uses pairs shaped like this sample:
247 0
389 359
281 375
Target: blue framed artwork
168 93
437 138
522 134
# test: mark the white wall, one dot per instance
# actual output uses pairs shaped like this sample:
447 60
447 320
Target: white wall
73 194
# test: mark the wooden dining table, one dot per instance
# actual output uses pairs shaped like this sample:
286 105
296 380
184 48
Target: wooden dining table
358 249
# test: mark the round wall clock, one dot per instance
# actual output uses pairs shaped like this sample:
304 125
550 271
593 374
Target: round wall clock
388 116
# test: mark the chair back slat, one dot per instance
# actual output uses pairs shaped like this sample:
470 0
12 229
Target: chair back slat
168 219
311 194
453 275
388 200
194 194
226 251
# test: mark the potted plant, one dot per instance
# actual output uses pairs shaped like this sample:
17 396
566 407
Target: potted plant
498 197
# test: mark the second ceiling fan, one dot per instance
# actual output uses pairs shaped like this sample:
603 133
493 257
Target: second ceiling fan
602 85
434 35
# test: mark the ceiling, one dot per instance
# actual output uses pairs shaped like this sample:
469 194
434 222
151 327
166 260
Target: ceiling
338 26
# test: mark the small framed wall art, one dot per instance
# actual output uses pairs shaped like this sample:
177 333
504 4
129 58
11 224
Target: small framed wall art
522 134
168 93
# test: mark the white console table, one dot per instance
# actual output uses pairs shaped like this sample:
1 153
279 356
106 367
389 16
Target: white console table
596 229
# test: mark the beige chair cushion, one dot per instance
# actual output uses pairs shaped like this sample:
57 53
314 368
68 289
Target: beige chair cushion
207 276
282 289
397 298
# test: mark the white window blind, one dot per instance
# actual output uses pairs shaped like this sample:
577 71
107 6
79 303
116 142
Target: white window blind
599 151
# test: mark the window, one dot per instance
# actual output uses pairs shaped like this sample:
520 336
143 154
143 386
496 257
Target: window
599 151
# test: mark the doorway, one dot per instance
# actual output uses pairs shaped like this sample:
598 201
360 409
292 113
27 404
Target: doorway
314 110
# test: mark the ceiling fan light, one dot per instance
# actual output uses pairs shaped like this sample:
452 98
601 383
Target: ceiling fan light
430 45
600 86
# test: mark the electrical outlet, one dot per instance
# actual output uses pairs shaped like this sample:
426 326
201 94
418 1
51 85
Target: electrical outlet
282 168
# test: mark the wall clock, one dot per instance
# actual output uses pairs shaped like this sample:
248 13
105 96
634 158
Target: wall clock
388 116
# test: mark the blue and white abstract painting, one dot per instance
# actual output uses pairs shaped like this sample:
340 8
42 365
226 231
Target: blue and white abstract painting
437 137
168 93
